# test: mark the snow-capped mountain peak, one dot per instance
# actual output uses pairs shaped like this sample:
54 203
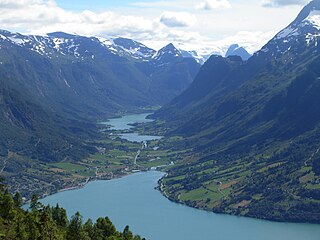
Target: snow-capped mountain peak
307 22
167 54
169 49
303 32
314 19
133 48
81 47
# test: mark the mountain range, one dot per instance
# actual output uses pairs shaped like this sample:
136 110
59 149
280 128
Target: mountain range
55 88
249 125
254 127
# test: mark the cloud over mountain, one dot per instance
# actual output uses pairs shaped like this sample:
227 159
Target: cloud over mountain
281 3
155 23
212 4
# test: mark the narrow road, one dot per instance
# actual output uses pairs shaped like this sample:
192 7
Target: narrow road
136 157
312 156
5 161
143 146
4 165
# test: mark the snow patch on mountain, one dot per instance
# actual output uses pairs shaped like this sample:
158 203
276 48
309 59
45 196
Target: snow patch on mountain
108 43
193 54
39 49
312 38
287 32
18 41
303 32
167 54
295 29
314 18
127 48
105 41
59 43
136 51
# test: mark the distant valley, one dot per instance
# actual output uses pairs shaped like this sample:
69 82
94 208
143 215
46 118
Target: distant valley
55 89
240 131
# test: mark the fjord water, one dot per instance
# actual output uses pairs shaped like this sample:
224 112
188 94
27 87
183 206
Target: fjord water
133 200
124 123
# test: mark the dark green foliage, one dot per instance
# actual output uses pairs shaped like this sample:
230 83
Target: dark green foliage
35 205
127 234
59 215
104 228
74 230
7 210
17 198
28 130
89 229
51 223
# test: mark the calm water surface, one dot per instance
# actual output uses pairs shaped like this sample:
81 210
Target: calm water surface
136 137
123 123
133 200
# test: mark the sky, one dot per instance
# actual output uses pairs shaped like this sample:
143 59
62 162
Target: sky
203 25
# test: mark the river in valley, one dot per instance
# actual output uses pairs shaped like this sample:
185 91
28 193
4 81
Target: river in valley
134 201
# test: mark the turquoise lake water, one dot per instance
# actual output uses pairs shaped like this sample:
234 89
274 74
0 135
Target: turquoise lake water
133 200
123 123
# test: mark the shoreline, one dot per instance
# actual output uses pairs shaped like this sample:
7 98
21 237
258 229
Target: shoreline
80 183
93 179
160 188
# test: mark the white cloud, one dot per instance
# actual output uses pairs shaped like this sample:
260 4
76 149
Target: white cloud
281 3
155 29
252 41
18 3
40 17
177 19
165 4
212 4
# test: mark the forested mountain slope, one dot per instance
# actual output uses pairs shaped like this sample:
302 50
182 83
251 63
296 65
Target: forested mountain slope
55 88
62 77
254 125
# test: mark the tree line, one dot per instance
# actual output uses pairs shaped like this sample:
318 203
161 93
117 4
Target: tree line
51 223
